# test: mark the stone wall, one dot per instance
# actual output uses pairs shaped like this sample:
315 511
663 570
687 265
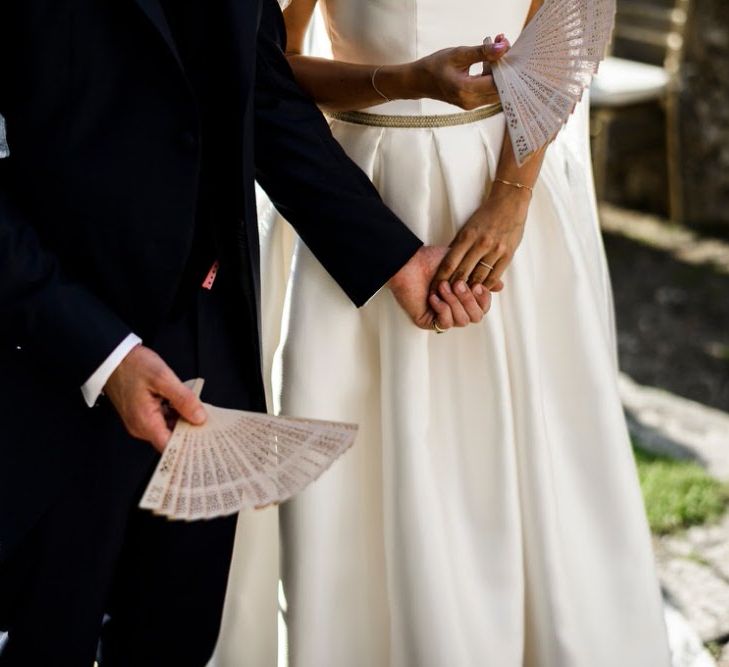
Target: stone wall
704 116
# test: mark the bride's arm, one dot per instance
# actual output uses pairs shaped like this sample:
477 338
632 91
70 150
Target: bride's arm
493 233
339 86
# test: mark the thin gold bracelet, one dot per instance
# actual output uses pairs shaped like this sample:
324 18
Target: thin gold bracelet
521 186
374 85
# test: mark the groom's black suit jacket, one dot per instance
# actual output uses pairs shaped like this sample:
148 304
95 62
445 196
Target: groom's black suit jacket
98 206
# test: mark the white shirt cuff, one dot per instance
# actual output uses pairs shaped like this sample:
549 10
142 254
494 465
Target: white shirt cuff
94 386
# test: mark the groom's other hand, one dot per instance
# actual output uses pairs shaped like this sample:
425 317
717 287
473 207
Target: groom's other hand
411 288
143 388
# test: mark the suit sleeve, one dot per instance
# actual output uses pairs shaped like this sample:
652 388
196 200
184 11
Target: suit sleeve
41 309
330 202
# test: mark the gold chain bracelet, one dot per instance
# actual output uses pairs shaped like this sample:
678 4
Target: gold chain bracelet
374 84
521 186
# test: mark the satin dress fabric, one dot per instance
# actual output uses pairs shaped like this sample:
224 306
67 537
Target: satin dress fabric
490 512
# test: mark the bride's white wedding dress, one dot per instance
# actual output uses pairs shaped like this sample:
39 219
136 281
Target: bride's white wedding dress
489 513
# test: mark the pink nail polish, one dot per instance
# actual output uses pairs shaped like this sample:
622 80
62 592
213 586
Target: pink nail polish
478 290
461 287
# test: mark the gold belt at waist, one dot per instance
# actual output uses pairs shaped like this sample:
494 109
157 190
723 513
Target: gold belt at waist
439 120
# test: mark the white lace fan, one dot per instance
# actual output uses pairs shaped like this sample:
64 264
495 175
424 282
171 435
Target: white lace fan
544 74
239 460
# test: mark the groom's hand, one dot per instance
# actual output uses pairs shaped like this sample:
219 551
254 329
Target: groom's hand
453 307
146 394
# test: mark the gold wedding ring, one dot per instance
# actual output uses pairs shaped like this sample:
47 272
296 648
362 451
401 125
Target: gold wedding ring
437 329
488 266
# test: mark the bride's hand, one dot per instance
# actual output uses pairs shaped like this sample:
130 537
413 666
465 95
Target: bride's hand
448 307
490 237
445 75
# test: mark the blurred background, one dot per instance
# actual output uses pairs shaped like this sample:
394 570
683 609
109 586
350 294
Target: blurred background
660 141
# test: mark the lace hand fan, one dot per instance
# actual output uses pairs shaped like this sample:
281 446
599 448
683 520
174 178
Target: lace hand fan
543 76
239 460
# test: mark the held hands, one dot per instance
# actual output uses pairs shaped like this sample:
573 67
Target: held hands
445 75
148 396
457 306
489 239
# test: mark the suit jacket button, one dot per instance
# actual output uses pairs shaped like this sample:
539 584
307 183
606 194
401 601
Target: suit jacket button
189 140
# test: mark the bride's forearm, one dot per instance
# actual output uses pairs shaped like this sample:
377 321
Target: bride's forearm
339 86
514 181
508 169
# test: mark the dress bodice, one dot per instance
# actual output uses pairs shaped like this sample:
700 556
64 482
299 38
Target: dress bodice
396 31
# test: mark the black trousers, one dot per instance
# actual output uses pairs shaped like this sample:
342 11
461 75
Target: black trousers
97 568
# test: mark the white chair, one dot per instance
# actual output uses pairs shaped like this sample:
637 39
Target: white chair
645 68
621 82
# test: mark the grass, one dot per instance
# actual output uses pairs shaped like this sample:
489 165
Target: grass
678 494
715 648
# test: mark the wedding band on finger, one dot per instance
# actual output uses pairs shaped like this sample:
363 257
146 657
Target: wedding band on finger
437 329
488 266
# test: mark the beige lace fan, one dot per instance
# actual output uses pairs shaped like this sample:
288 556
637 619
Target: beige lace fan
239 460
543 76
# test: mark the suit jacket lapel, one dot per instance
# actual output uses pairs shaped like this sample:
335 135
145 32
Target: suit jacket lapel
154 12
243 19
244 16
